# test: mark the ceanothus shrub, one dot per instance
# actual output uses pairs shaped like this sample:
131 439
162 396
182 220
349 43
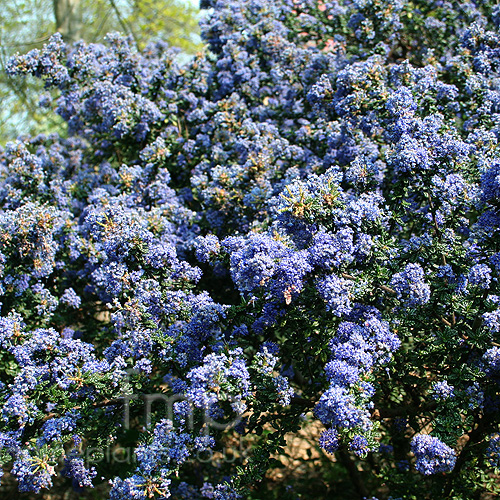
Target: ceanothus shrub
297 232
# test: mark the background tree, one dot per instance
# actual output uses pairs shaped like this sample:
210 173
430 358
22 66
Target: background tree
68 15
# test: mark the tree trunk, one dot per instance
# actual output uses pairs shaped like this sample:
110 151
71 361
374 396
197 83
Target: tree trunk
68 14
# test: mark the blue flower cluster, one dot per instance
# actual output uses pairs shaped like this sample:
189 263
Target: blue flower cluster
356 350
493 451
432 455
442 390
219 370
410 285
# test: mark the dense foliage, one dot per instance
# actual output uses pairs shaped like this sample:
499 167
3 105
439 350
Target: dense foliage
297 230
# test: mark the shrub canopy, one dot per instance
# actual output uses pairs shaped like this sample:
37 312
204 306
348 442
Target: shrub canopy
297 230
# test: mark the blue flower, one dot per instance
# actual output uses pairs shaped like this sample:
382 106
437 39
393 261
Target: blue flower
410 286
432 455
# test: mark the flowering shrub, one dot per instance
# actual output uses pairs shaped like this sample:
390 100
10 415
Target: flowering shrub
298 228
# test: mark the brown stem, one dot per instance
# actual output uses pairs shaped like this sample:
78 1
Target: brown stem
462 457
348 277
388 290
403 410
479 319
296 400
436 227
444 321
354 474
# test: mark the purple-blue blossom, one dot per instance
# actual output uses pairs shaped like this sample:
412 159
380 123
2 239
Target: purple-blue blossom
410 285
493 451
329 440
336 293
442 390
480 275
359 446
432 455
